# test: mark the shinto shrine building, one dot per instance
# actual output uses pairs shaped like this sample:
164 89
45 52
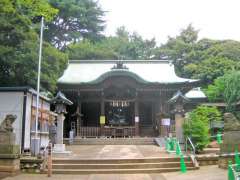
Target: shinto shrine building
117 98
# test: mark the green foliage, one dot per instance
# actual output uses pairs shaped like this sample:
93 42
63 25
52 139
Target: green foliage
226 88
209 69
76 20
122 46
36 8
88 50
180 49
22 68
215 91
19 45
196 125
205 59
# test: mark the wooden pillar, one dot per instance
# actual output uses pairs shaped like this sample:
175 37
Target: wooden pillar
102 115
79 120
154 123
78 114
136 118
102 107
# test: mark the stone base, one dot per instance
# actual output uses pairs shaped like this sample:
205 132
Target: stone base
224 159
9 166
229 148
231 142
59 150
9 149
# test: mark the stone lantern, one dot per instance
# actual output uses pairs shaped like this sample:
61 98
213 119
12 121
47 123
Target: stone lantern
60 102
178 101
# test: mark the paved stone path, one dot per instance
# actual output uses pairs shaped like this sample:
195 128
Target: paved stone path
116 151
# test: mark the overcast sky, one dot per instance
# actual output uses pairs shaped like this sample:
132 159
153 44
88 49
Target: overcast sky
216 19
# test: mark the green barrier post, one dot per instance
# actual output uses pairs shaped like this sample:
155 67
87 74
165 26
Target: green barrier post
230 171
237 160
178 149
171 143
183 165
219 138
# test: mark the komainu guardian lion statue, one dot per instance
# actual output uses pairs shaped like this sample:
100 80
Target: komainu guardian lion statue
231 123
6 125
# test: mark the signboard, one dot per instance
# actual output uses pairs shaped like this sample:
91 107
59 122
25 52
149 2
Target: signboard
136 119
102 119
166 121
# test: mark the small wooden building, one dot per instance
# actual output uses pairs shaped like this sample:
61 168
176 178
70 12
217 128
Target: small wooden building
21 101
120 98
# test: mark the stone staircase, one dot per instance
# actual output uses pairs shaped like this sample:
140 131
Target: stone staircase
119 166
146 131
114 141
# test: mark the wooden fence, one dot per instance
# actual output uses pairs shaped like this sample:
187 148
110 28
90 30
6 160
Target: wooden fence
124 131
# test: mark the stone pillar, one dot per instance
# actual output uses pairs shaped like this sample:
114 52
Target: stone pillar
136 118
179 120
60 122
178 100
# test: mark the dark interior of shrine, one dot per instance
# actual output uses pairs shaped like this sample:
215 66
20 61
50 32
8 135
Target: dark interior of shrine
119 115
115 115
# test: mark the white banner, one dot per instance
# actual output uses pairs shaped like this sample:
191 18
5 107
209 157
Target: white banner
166 121
136 119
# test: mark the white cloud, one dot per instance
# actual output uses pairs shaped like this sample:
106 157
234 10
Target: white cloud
216 19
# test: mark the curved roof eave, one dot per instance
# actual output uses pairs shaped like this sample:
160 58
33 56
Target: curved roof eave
146 72
128 74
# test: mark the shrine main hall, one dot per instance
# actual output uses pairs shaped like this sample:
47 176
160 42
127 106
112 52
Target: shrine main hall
122 98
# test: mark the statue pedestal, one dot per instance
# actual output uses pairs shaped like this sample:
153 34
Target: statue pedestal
9 164
60 150
9 154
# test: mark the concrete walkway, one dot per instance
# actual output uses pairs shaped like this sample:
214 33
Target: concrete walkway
205 173
116 151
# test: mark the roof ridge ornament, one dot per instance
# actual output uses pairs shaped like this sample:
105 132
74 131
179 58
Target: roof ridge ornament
119 65
178 97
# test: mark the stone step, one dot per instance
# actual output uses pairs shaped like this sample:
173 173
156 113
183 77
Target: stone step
211 150
113 166
121 166
117 171
113 141
118 161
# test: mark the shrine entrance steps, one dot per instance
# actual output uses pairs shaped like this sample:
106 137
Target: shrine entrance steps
119 166
114 141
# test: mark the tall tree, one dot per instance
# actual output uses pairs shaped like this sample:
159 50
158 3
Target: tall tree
226 88
180 49
19 45
212 68
123 45
76 20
